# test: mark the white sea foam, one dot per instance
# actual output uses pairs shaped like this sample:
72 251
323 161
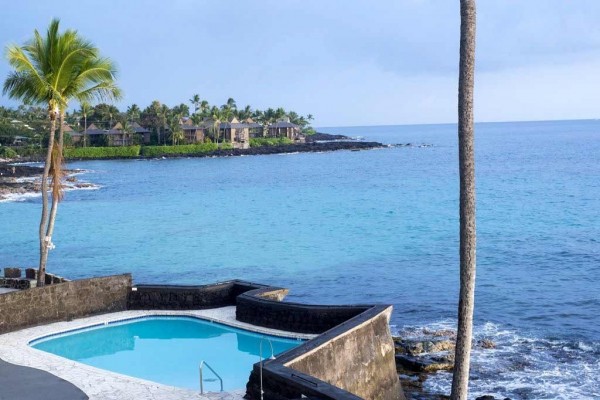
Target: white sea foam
21 197
522 367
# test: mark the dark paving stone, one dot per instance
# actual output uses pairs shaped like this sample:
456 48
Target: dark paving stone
25 383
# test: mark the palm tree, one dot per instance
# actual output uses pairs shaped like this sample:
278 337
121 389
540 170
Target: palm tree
52 71
174 124
231 103
195 100
133 113
466 155
85 110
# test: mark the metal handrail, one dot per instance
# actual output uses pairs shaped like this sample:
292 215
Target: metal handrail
202 364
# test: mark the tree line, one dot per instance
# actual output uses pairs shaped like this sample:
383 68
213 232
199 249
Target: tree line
162 120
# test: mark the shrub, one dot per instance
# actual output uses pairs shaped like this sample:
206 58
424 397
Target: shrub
186 149
102 152
258 142
7 152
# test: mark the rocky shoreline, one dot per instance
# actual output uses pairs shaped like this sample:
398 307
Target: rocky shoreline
22 180
427 352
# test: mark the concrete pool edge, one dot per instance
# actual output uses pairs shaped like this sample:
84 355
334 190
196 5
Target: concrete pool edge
102 384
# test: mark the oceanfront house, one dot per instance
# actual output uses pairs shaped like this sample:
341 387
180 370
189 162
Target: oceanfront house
285 129
116 136
143 134
193 133
235 132
255 129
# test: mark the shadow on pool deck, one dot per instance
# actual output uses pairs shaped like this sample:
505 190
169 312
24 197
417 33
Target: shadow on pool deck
25 383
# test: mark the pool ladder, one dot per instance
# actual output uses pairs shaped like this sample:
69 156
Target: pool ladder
202 364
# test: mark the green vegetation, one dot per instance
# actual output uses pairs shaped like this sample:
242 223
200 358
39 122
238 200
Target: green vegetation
7 152
186 149
258 142
102 152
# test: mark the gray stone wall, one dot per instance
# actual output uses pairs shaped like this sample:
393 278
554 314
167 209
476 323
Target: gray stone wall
63 301
360 361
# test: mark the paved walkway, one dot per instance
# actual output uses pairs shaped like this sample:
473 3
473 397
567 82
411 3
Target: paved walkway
100 384
24 383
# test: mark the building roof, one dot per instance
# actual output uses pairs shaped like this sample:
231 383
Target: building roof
283 124
93 130
137 128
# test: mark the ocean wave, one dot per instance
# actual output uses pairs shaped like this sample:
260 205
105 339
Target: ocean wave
521 367
25 196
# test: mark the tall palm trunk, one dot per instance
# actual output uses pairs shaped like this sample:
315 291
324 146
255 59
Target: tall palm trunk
44 239
466 155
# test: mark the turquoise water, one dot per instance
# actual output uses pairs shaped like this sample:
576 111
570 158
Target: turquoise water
370 226
169 350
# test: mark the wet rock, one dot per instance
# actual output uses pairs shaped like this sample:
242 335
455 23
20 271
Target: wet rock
489 397
449 333
424 363
414 347
71 179
486 344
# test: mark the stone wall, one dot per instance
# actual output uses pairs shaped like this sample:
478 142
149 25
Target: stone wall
361 360
63 301
354 360
257 308
175 297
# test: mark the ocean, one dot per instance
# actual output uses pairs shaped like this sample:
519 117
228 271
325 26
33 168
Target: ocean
368 226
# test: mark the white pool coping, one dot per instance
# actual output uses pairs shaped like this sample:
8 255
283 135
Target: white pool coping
101 384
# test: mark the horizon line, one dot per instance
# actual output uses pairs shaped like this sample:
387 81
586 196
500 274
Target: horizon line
456 123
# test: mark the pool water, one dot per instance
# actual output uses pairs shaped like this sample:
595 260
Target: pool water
169 350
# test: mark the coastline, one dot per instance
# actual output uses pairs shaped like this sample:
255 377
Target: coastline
19 181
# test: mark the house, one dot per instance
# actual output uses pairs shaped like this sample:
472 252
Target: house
256 130
92 136
284 128
192 133
76 137
143 134
236 132
119 136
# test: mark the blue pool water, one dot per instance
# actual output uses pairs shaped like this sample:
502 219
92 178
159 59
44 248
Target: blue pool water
370 226
169 350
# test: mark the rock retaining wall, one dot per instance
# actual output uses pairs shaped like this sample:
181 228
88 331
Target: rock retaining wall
63 301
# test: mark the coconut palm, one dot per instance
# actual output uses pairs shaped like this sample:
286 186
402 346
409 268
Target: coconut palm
466 155
195 100
231 104
85 110
133 113
53 70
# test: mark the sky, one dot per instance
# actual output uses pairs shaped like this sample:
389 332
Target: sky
346 62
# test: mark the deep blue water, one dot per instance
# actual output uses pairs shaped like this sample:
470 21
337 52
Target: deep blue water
181 344
359 227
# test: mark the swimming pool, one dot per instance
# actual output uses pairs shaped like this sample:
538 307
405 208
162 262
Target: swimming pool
169 350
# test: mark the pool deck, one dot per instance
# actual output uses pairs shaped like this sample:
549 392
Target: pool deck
105 385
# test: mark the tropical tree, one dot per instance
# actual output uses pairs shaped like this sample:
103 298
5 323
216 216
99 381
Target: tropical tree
466 156
53 70
204 106
85 110
151 117
174 124
195 100
231 104
133 113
